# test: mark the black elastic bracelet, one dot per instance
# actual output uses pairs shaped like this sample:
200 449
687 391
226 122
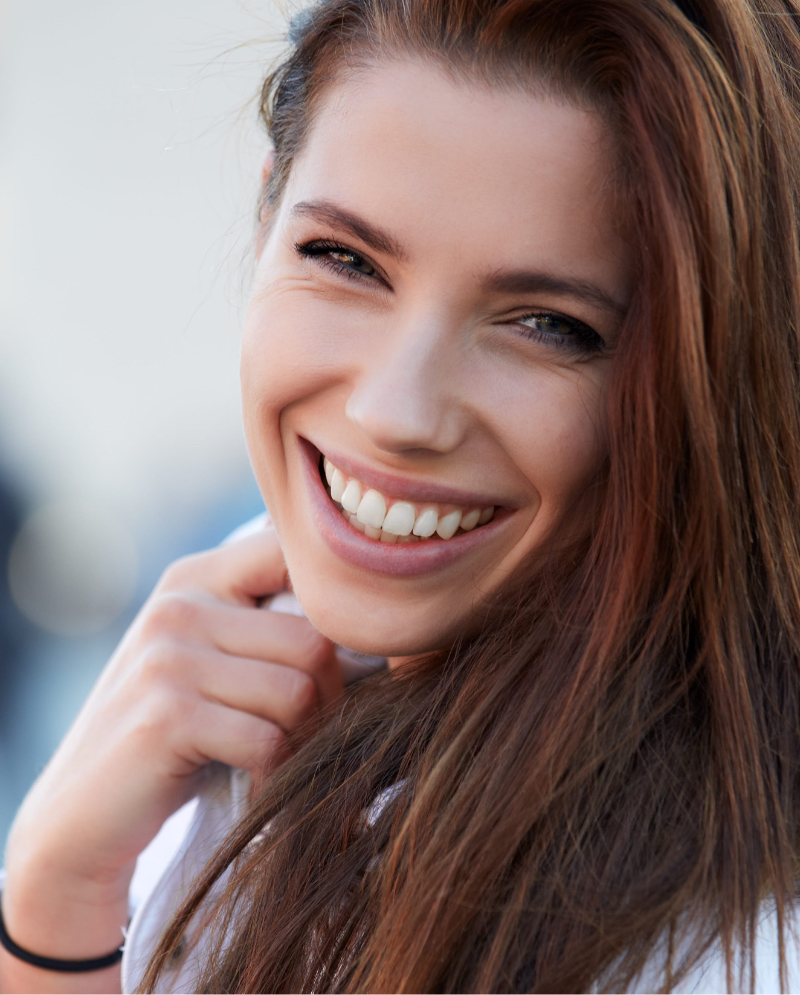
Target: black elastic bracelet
51 963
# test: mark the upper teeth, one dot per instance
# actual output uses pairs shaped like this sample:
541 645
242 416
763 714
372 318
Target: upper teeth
395 520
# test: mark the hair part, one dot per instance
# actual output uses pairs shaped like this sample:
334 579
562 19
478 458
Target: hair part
605 780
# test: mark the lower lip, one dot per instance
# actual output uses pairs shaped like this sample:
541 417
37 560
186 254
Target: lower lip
404 560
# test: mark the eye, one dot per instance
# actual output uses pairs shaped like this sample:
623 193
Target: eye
351 260
338 257
550 324
561 332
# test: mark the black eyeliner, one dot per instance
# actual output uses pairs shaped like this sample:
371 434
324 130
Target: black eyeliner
584 341
583 338
320 249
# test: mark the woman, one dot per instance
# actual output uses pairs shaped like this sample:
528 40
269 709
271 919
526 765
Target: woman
520 388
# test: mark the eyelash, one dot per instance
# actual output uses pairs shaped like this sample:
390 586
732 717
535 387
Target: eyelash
582 339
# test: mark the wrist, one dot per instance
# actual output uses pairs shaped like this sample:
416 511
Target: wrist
63 916
61 966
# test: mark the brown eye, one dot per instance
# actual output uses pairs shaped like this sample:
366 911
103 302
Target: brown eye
352 260
339 258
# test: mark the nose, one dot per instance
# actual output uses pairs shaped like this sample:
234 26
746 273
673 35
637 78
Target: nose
406 395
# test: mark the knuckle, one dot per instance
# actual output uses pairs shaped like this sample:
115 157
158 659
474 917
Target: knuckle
172 612
159 718
162 662
176 571
184 569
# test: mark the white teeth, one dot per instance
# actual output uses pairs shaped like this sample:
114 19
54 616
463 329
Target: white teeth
426 523
448 524
372 510
470 519
399 519
367 512
351 498
337 485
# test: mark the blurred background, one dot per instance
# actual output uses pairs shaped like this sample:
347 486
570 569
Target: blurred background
130 158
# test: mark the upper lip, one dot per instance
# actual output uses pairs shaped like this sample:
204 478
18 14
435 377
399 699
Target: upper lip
407 488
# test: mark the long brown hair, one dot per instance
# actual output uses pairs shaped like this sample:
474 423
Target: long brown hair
607 776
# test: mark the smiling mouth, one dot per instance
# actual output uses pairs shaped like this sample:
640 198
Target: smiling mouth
393 520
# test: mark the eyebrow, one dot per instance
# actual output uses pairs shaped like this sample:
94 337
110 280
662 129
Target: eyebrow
325 211
525 282
507 282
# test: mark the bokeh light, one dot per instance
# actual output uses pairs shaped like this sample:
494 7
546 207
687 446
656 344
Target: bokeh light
73 568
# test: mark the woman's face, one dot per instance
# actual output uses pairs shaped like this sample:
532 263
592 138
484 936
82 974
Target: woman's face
434 312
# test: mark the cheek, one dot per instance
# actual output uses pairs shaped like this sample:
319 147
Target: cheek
296 342
296 350
557 434
278 360
283 361
273 377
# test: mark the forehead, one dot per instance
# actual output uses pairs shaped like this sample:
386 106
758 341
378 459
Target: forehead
435 159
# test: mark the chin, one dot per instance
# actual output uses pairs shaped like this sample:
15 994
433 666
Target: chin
375 629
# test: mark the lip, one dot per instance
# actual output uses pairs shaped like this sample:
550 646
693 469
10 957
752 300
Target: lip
404 560
407 489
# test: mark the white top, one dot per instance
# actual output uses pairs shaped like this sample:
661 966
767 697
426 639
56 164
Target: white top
167 868
189 838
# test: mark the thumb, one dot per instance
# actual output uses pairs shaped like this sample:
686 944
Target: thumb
242 571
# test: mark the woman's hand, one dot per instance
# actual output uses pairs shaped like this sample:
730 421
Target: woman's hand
201 675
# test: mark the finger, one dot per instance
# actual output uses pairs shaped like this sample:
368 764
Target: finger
236 738
241 572
278 638
190 623
283 695
244 632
